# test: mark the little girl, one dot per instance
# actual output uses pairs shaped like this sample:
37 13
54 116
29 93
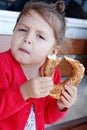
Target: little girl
25 103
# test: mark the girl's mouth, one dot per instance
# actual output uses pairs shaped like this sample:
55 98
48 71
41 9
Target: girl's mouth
23 50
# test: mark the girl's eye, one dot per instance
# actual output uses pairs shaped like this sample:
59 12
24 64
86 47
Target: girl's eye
23 30
41 37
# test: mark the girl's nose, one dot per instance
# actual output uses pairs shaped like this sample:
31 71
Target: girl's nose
27 41
27 38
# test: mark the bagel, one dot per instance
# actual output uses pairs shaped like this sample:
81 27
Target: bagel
51 62
76 76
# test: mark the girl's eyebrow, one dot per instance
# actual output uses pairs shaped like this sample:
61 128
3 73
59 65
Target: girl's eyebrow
43 33
23 25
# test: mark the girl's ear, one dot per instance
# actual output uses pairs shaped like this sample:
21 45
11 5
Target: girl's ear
55 50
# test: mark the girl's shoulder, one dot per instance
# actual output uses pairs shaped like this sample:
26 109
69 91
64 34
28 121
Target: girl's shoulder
5 54
6 58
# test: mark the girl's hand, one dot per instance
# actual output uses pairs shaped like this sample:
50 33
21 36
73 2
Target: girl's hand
68 97
37 87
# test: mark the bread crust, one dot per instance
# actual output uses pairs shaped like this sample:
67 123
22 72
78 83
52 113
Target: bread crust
47 68
76 76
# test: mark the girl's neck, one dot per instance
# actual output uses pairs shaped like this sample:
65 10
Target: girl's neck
31 71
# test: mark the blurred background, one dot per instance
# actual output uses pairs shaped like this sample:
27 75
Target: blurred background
74 8
76 29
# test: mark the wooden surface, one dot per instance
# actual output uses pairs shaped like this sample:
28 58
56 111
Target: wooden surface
78 49
5 41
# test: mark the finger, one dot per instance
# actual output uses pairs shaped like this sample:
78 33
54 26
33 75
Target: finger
72 90
49 83
44 79
42 85
46 85
43 94
65 102
67 96
72 87
46 89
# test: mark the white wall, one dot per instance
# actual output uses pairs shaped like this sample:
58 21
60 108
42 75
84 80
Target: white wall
76 28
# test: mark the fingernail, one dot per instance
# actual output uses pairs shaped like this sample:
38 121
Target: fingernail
63 92
66 86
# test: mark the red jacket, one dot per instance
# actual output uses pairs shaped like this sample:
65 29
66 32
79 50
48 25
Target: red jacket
14 110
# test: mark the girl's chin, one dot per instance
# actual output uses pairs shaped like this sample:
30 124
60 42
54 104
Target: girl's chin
22 60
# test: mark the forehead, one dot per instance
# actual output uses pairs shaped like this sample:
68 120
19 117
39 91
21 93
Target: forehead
33 15
33 18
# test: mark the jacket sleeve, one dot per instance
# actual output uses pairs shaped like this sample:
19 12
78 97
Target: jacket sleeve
51 112
11 99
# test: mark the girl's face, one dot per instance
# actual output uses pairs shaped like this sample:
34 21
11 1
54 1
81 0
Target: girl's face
32 40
